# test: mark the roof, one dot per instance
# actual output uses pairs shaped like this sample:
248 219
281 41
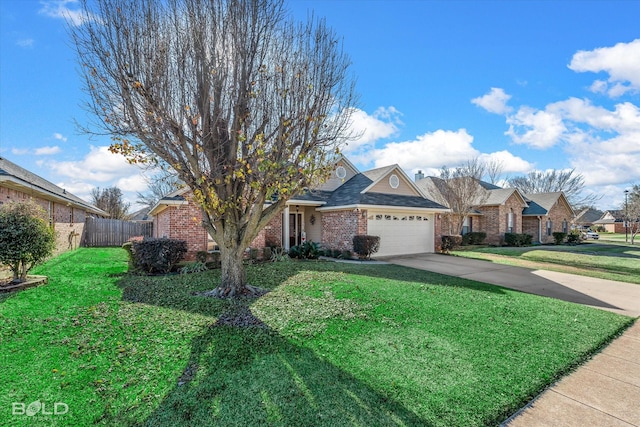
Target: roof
16 177
498 196
542 203
353 193
588 216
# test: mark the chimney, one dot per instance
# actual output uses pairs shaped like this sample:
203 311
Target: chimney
419 176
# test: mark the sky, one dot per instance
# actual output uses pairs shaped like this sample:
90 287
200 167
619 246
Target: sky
536 85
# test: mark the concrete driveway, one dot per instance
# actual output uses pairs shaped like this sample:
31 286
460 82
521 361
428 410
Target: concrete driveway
618 297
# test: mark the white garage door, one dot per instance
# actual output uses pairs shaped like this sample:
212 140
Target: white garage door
401 234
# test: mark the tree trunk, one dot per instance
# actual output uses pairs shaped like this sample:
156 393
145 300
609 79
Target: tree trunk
233 279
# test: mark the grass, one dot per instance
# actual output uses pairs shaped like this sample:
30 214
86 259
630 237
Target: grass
605 260
340 344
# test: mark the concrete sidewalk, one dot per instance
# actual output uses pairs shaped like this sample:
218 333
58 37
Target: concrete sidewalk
605 391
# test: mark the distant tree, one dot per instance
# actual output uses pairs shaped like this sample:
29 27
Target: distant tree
461 191
110 200
567 181
494 170
241 101
159 186
26 238
631 212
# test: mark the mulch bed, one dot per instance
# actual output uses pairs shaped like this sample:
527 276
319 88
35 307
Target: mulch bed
7 285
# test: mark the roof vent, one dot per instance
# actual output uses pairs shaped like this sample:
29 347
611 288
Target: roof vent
419 176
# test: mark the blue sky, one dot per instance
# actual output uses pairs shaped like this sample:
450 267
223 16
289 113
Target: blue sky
535 84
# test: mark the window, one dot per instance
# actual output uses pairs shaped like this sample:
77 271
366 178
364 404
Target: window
341 172
510 222
549 227
565 226
394 181
467 225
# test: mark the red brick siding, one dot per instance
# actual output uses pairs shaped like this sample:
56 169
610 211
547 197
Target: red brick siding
494 220
557 214
339 227
273 232
185 223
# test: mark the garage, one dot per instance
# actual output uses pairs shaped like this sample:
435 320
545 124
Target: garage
401 233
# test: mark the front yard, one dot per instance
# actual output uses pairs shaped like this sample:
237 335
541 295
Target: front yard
332 344
605 260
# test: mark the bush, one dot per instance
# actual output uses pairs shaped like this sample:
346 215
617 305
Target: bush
346 254
308 250
515 239
266 253
154 256
574 237
558 237
194 267
202 256
364 246
335 253
474 238
450 242
26 239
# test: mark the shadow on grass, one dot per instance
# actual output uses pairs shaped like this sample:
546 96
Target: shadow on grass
253 376
594 249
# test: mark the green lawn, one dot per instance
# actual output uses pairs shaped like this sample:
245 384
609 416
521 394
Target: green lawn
606 260
337 344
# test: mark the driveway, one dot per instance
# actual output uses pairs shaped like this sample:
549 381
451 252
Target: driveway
618 297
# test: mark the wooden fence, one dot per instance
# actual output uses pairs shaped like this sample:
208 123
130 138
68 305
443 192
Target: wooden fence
100 232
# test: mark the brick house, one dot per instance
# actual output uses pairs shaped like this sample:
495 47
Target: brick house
382 202
612 221
67 213
507 210
545 214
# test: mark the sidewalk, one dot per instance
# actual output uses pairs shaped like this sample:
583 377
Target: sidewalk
605 391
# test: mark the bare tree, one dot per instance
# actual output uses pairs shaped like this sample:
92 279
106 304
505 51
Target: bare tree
631 210
239 100
159 185
461 191
110 200
567 181
494 170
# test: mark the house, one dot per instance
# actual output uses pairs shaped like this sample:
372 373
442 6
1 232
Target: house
612 221
384 202
546 214
497 211
587 217
67 213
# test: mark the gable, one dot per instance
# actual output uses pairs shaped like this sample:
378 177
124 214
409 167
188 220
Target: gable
391 180
341 173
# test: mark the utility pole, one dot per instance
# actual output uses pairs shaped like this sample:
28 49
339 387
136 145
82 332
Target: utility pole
626 217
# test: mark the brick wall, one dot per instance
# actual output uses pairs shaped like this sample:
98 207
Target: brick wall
185 223
68 222
494 220
273 232
339 227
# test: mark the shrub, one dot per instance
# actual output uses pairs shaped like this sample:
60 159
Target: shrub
128 246
558 237
26 239
194 267
202 256
266 253
158 255
278 254
574 237
335 253
474 238
450 242
346 254
307 250
364 246
515 239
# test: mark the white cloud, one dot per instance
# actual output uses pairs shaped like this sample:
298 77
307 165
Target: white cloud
100 165
510 163
494 102
431 150
535 128
133 183
25 43
19 151
60 137
369 128
60 9
47 151
621 62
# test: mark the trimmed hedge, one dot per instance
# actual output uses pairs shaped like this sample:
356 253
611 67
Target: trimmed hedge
474 238
157 256
450 242
365 246
558 237
515 239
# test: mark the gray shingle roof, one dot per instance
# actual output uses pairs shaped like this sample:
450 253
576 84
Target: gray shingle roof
42 186
540 203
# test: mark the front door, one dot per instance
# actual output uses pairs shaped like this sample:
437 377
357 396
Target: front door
295 229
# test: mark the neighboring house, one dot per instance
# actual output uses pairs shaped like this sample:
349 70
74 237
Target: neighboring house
382 202
546 214
67 213
587 218
497 211
612 221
